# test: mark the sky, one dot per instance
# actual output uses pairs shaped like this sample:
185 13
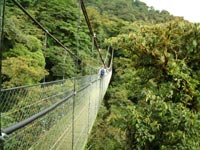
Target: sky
189 9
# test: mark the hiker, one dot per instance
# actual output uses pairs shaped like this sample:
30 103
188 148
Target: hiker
102 72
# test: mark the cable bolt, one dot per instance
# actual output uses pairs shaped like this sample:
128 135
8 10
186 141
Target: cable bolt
3 136
94 35
75 92
46 31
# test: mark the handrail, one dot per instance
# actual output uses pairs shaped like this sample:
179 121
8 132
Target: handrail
27 121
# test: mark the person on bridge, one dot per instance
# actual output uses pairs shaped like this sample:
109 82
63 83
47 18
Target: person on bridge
102 72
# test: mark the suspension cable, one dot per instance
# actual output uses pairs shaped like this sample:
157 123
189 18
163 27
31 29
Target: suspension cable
44 29
91 30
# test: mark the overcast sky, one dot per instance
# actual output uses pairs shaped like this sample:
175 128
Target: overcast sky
189 9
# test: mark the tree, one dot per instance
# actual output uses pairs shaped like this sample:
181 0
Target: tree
18 71
163 85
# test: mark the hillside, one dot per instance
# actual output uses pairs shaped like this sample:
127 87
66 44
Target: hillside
155 80
130 10
40 57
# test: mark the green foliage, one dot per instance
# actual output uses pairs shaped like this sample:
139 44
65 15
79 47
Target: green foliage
19 71
112 137
59 63
24 62
27 3
156 68
20 50
161 125
153 102
130 10
164 61
24 39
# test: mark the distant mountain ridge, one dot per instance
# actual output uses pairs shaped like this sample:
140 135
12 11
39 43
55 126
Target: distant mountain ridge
130 10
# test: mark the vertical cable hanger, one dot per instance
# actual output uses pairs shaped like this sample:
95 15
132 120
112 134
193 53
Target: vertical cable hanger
44 51
106 58
92 49
45 42
2 17
64 61
75 75
78 34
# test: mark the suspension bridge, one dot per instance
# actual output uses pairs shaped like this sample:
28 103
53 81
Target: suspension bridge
56 115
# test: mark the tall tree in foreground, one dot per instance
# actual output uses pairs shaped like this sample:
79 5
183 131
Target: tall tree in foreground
164 86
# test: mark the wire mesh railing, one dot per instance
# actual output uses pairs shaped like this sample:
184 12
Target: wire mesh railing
52 115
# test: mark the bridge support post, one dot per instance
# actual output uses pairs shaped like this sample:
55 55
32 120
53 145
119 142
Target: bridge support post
2 12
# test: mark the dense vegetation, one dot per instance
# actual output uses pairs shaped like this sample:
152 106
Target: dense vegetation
153 101
29 56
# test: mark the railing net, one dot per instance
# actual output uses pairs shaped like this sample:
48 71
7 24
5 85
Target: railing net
66 127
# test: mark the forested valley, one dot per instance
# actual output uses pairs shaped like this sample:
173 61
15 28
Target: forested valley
153 102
